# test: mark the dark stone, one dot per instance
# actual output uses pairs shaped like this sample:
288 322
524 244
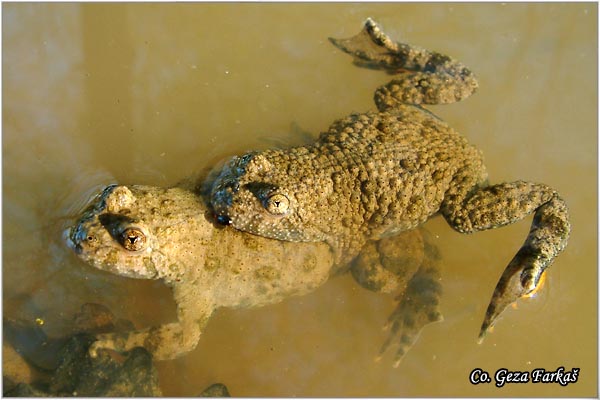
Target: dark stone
70 369
24 390
30 341
81 375
215 390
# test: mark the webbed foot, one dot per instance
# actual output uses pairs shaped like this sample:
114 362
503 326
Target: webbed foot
371 48
517 281
418 306
428 77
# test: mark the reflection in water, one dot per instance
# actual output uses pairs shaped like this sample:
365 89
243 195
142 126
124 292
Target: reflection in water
152 93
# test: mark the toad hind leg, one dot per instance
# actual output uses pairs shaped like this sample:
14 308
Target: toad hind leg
417 307
427 77
406 264
502 204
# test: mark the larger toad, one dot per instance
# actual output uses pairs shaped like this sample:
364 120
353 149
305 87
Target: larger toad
167 233
374 174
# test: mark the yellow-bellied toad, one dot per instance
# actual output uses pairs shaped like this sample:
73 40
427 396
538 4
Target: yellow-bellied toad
378 173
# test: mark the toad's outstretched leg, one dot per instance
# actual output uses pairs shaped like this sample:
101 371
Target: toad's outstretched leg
165 342
406 264
427 77
502 204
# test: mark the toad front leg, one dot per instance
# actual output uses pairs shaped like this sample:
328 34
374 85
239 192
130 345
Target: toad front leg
165 342
470 210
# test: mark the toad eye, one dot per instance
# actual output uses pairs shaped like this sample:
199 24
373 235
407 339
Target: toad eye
277 204
133 239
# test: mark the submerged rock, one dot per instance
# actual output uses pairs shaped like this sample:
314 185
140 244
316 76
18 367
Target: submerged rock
66 366
215 390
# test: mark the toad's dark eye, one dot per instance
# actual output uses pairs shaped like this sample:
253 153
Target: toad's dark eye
133 239
277 204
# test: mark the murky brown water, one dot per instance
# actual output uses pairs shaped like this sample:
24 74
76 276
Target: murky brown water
152 93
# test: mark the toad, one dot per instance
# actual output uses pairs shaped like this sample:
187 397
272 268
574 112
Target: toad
372 175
